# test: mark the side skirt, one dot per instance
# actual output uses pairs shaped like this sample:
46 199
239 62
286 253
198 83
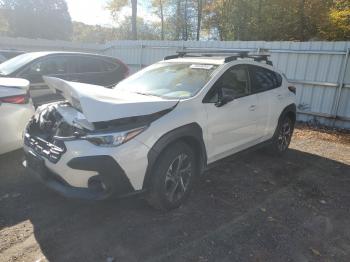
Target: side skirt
241 153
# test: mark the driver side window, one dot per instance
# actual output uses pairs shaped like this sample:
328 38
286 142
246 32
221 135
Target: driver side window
233 83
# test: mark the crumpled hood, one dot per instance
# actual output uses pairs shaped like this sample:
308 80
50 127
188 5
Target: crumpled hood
98 103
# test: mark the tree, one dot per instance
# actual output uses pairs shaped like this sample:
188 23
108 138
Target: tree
199 17
158 5
270 20
93 33
115 6
47 19
338 26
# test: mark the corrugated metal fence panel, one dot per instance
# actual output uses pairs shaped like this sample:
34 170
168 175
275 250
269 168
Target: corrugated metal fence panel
313 67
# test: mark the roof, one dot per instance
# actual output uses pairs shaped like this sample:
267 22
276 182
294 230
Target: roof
44 53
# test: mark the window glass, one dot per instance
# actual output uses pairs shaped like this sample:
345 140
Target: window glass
263 79
168 80
50 66
234 82
87 65
279 79
108 66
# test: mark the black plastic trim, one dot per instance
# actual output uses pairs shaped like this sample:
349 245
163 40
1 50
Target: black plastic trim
189 133
109 172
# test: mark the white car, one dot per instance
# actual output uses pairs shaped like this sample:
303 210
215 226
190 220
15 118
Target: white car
16 109
156 131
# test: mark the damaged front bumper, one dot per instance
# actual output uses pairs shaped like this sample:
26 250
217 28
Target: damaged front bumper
77 168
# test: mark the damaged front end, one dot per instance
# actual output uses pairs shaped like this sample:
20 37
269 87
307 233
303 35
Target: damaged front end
47 130
56 123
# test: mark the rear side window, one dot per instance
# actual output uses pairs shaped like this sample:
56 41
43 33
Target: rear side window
263 79
108 66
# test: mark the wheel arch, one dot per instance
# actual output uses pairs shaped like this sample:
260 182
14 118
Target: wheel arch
191 134
289 111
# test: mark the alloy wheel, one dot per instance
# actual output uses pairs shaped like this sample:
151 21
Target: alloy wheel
178 177
284 136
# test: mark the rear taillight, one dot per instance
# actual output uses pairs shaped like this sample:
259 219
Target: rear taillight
20 99
292 89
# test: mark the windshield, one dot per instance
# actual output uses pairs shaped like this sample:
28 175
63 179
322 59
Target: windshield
169 80
10 66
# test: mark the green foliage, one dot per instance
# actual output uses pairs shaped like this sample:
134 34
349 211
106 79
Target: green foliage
92 33
115 6
269 20
47 19
98 34
338 27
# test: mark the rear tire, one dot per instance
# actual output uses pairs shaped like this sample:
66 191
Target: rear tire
283 136
173 177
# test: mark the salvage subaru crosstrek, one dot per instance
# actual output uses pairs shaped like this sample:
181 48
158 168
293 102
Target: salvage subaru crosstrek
157 130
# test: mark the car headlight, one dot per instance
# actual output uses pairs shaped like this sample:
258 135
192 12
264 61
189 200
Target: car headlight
113 139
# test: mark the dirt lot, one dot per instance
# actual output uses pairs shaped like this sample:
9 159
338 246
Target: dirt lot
249 208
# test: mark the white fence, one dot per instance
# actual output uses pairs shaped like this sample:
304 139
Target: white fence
320 70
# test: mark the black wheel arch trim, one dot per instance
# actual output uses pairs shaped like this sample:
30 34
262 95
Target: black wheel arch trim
189 133
288 109
292 108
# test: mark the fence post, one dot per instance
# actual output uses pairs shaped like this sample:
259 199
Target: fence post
141 54
341 85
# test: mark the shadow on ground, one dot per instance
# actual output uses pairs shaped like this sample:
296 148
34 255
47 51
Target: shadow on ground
251 208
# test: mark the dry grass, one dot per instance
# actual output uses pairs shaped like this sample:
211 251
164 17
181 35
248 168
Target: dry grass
329 143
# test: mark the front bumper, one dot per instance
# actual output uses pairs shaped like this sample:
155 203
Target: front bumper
110 180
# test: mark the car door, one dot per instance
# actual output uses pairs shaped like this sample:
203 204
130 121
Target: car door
56 66
231 126
266 84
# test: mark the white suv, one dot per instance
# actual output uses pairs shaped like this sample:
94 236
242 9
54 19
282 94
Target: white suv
157 130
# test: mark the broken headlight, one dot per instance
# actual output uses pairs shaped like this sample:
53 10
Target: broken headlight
113 139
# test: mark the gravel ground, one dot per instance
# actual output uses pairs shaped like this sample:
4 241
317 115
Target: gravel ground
249 208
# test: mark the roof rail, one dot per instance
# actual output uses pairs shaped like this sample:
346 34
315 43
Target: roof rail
258 54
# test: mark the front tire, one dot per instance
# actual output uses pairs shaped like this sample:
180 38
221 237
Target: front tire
283 136
173 177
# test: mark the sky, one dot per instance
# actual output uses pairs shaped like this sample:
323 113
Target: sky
93 12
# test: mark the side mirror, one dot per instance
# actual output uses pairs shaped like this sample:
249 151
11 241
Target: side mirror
224 100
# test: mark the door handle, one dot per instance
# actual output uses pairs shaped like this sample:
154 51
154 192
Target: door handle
252 107
279 96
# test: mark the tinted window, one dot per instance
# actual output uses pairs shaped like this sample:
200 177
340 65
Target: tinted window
87 65
234 82
108 66
264 79
50 66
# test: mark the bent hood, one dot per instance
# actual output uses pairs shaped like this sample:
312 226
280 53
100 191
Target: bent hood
98 103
